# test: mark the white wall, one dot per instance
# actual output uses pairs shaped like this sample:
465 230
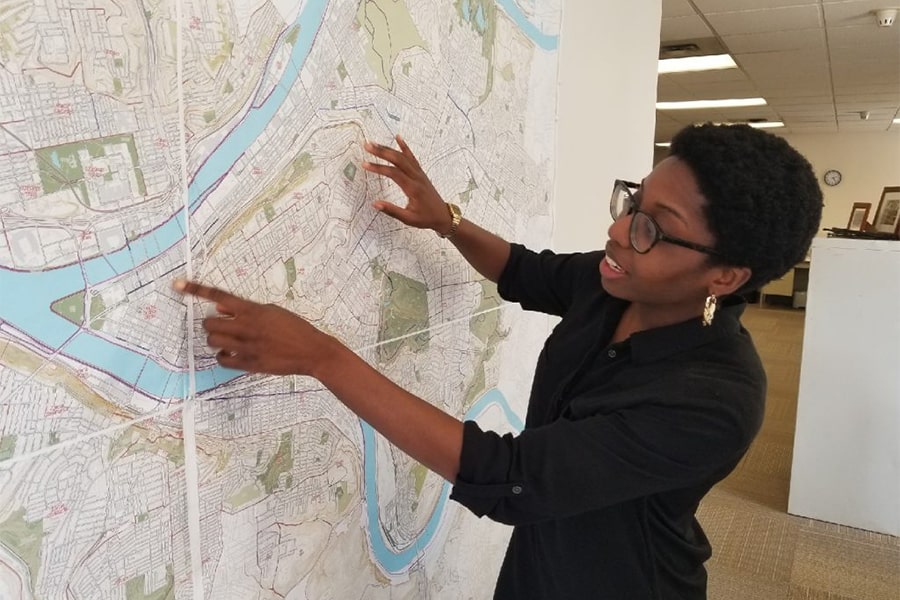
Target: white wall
867 161
607 103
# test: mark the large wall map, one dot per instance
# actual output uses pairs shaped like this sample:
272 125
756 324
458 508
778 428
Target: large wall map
146 140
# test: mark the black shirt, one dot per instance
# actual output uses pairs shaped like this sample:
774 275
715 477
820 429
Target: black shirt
621 442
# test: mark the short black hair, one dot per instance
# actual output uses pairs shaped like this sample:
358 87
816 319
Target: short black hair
763 201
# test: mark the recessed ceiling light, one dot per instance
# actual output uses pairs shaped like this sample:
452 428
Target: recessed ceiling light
662 144
710 62
695 104
766 124
897 120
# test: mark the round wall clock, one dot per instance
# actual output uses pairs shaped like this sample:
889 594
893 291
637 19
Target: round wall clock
832 177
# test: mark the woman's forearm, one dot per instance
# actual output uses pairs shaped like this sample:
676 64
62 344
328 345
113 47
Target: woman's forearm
423 431
485 251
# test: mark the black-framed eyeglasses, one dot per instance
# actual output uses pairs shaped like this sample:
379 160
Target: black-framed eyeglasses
644 232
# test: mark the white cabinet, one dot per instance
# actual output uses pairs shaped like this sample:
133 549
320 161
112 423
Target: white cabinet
846 464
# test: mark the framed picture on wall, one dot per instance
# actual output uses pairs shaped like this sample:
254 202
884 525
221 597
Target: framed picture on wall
858 215
887 217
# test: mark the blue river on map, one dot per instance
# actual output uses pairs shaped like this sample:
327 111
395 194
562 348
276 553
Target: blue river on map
393 560
40 289
34 292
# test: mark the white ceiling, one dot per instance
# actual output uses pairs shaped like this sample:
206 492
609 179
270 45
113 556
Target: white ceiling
817 63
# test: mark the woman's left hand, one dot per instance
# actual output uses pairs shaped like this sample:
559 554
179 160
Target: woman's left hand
260 338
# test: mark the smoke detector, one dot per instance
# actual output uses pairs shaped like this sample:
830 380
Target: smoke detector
885 16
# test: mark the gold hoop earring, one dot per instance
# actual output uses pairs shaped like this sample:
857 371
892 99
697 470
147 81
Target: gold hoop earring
709 310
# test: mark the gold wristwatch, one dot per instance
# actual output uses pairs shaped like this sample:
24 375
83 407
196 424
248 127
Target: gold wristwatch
455 218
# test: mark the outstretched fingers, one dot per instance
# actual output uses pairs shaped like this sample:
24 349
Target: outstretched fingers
407 152
397 158
395 174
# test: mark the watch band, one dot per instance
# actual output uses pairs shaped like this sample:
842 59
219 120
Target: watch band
455 218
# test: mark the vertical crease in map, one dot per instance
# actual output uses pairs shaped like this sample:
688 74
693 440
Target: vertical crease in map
192 485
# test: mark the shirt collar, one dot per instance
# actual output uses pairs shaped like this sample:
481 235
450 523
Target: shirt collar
661 342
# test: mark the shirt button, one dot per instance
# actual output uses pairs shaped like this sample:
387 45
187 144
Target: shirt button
517 489
611 353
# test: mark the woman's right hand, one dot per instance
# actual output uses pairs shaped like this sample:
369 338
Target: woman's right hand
425 209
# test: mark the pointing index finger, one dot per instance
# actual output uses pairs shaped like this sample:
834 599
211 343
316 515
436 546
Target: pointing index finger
223 299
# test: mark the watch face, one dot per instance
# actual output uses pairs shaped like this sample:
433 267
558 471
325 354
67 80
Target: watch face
832 177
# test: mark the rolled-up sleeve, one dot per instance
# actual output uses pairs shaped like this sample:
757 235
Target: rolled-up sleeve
572 466
545 281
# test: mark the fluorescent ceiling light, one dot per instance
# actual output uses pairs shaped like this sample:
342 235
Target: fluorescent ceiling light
756 124
897 120
710 62
695 104
766 124
663 144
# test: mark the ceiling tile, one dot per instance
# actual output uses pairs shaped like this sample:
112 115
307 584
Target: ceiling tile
713 6
667 88
780 46
795 88
775 40
863 36
830 128
884 98
813 122
875 114
856 12
816 110
793 80
759 21
676 8
683 28
725 89
701 77
792 99
804 117
862 126
797 109
783 64
880 54
676 96
744 113
864 88
861 73
808 121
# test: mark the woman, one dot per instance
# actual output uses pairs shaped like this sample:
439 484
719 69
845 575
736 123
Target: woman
647 392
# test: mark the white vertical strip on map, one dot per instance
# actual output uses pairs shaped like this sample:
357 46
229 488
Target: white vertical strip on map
554 193
188 413
555 184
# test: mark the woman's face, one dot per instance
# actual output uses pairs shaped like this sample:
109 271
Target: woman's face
668 277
